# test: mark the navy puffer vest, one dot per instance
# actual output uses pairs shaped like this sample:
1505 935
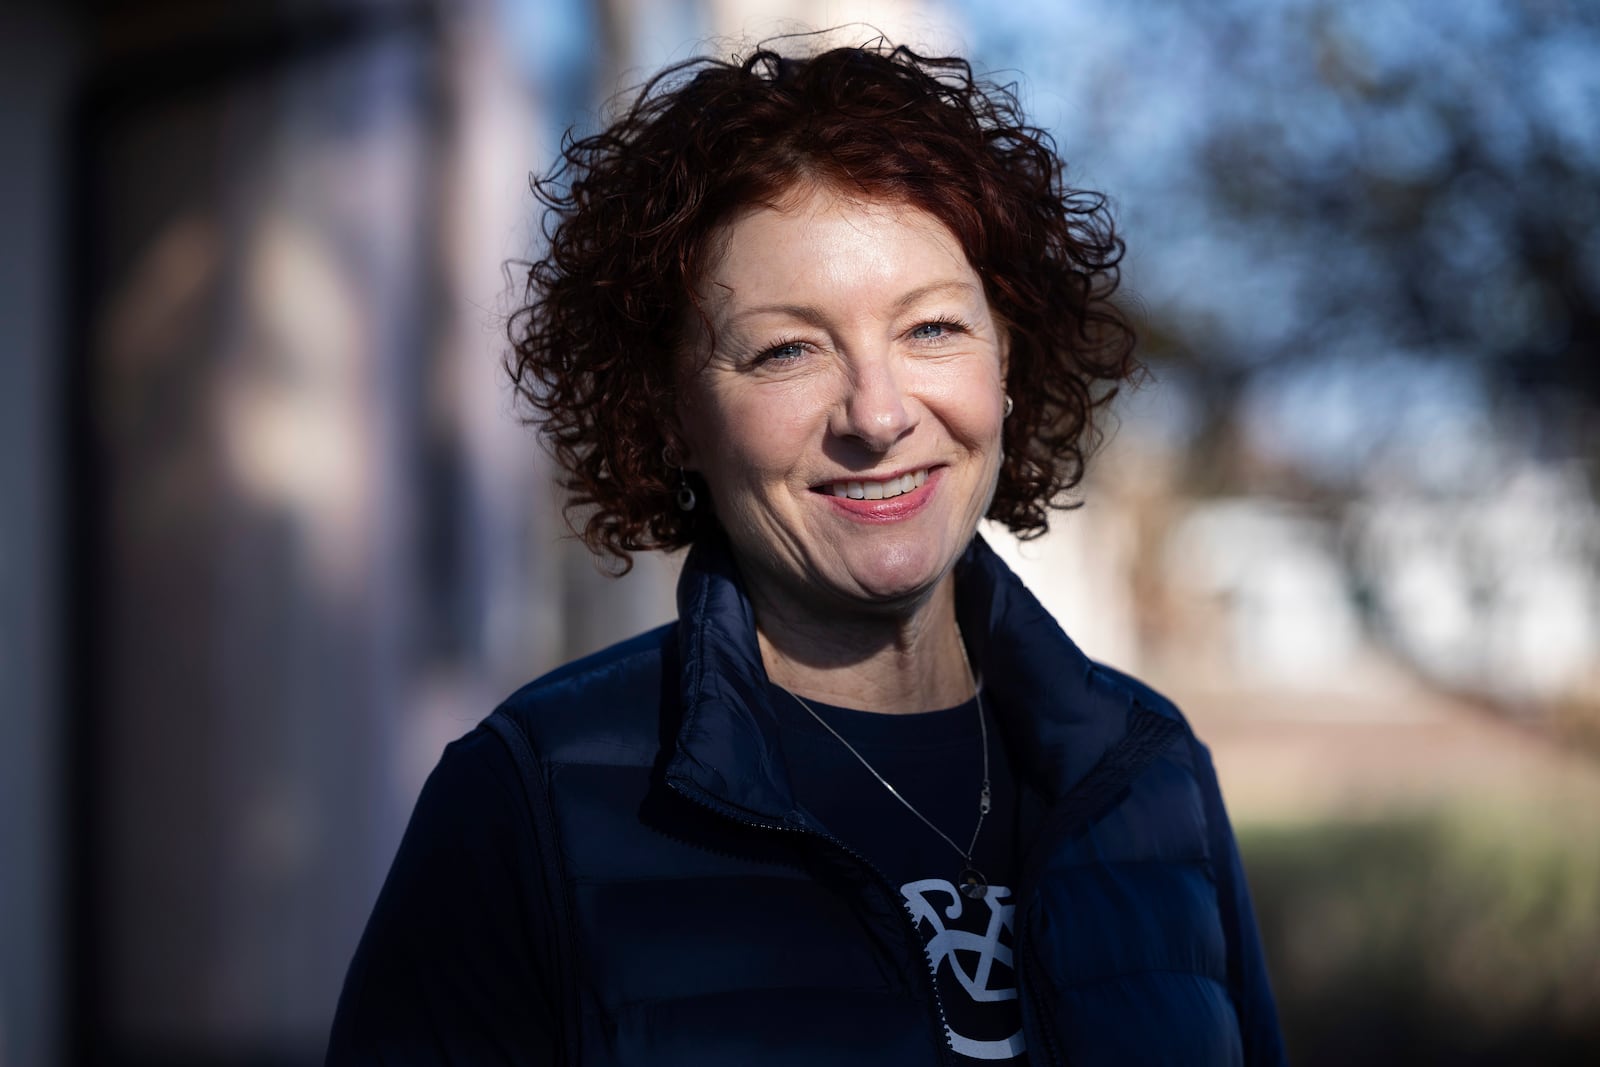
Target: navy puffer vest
679 908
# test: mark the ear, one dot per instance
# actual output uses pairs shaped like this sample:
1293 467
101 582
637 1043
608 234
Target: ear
679 451
1005 354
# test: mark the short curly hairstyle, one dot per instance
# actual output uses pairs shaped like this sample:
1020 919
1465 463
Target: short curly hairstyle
636 210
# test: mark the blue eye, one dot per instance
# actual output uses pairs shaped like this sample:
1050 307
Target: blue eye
783 353
933 331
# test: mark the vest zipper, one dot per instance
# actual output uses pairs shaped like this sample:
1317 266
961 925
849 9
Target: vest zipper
727 811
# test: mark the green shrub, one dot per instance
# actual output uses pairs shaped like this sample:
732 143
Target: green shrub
1461 937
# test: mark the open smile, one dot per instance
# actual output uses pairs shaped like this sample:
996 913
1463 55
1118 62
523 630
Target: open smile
886 489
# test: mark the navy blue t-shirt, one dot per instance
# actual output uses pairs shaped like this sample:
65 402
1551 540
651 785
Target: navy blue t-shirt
935 761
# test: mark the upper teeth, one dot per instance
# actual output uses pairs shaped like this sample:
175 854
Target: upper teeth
879 490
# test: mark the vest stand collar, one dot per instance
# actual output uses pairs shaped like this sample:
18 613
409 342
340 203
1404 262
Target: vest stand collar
1054 715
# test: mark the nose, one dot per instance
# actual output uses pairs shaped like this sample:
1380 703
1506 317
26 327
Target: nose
875 409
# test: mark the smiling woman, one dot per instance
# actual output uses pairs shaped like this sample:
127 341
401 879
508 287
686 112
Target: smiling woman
846 422
863 802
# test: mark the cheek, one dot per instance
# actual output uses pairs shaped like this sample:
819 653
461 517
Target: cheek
971 408
764 430
741 445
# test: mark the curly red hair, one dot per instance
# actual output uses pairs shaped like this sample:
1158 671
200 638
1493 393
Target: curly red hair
637 209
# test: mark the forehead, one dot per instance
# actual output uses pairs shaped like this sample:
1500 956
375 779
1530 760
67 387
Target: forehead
817 238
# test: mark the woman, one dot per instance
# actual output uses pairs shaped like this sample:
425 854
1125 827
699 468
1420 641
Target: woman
863 802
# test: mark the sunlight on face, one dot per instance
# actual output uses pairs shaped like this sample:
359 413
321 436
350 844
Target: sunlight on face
848 421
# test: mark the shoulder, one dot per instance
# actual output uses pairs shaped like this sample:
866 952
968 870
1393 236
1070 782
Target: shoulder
602 708
455 955
1125 690
1122 689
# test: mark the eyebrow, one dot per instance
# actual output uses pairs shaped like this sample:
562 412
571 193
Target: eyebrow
814 316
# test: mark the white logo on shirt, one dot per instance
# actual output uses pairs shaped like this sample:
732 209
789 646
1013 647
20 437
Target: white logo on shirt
982 950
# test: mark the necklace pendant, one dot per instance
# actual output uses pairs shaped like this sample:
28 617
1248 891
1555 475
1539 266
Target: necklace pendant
974 886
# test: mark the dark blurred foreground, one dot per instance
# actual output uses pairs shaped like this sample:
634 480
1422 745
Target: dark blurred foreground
1425 940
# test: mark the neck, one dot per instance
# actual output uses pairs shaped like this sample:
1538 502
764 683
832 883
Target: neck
898 663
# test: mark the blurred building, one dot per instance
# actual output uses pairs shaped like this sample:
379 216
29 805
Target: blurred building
274 533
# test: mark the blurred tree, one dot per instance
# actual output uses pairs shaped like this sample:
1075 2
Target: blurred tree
1364 254
1425 180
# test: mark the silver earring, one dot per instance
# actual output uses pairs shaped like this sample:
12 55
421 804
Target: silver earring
685 497
1006 411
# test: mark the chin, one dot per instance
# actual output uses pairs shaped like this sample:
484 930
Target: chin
899 575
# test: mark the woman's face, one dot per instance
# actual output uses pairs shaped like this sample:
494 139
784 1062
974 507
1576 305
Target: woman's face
848 420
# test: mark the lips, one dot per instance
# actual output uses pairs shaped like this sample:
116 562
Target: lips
885 489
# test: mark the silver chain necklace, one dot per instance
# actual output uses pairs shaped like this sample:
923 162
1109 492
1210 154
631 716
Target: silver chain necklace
973 884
